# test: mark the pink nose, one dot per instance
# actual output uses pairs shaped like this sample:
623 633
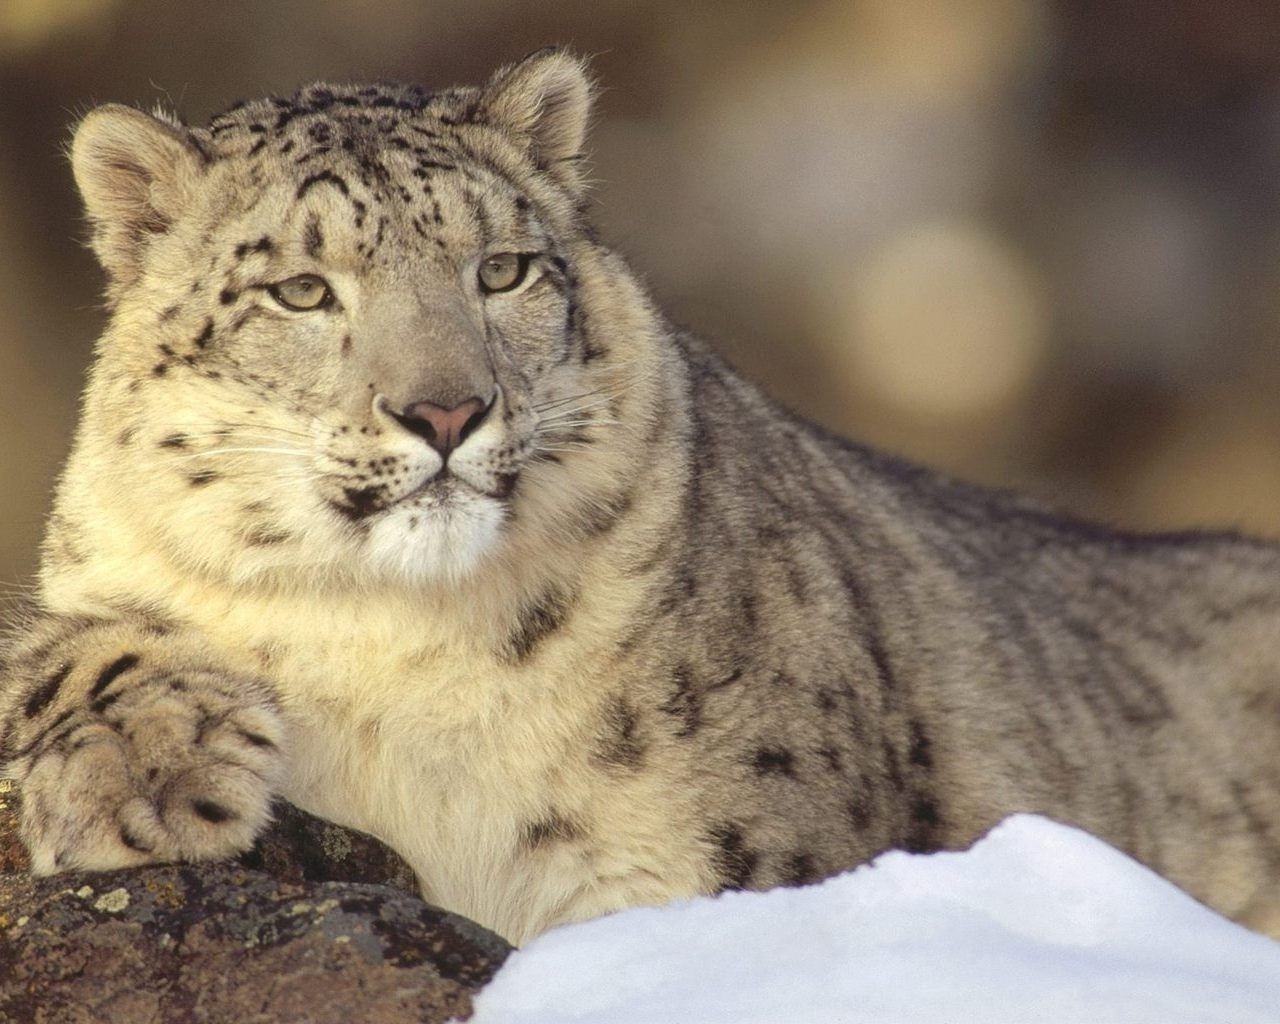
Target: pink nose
443 429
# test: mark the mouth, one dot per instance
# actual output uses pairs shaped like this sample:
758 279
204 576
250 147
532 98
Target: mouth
436 494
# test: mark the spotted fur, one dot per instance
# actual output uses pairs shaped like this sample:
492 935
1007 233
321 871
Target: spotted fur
645 635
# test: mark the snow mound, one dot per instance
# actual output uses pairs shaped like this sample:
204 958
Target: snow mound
1037 922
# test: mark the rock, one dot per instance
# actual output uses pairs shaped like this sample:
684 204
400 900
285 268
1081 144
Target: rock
299 847
13 856
293 937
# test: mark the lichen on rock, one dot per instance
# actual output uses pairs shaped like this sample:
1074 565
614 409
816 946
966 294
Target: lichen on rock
313 925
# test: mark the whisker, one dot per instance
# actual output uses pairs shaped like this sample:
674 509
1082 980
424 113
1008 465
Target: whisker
265 429
609 393
242 441
240 451
547 406
603 389
558 422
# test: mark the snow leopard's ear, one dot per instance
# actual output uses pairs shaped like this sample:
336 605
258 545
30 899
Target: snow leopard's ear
544 100
136 173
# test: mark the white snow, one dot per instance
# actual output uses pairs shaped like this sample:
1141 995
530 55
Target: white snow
1037 922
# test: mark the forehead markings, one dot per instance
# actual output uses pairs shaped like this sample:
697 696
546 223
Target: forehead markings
323 177
367 133
330 178
261 131
476 204
312 237
262 245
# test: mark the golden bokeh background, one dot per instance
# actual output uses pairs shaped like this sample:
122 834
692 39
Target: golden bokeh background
1033 243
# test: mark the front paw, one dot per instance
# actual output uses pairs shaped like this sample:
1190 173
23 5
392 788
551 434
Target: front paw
172 769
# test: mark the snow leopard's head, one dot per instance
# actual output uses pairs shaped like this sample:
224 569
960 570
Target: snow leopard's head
354 330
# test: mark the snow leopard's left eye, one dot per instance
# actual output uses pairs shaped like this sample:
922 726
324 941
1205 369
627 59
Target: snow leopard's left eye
504 271
302 293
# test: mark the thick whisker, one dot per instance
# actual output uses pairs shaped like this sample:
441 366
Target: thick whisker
264 429
557 422
240 451
607 394
605 389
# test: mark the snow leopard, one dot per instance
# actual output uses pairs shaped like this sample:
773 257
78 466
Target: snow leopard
395 497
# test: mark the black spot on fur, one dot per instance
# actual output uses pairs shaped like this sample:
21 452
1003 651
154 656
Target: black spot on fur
892 765
619 746
159 370
113 672
102 703
312 239
228 296
256 739
800 870
727 680
924 830
774 761
260 537
268 654
44 694
200 479
735 862
600 518
178 441
684 703
555 828
263 244
859 811
504 484
168 314
873 633
212 812
360 502
48 736
133 842
591 349
920 753
206 334
925 812
536 621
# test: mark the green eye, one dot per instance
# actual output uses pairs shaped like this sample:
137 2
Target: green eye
504 271
302 293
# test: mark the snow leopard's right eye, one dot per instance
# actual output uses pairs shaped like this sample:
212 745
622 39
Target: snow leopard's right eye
303 293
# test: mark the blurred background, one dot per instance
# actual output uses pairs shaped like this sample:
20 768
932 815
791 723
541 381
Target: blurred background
1036 244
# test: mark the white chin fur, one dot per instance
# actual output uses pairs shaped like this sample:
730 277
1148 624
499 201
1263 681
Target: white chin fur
445 543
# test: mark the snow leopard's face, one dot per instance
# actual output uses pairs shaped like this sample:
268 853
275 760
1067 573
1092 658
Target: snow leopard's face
348 331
